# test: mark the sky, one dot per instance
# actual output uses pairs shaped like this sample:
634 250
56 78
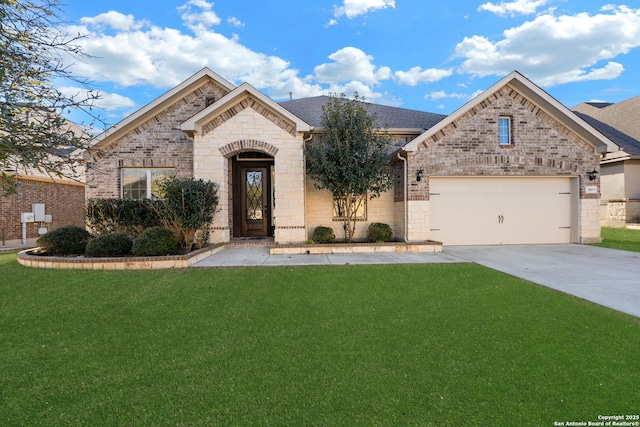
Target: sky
419 54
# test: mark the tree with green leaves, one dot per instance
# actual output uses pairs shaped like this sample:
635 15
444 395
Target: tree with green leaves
350 158
34 57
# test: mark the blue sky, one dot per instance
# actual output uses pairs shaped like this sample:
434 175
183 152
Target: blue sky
419 54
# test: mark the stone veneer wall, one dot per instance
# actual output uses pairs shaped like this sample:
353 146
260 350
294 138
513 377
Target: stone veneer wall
469 147
254 129
65 204
619 213
320 213
158 142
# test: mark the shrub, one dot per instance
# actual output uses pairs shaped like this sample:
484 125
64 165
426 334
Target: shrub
323 235
106 216
117 244
379 232
188 208
69 240
155 241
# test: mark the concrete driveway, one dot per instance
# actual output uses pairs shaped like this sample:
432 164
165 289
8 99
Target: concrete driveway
605 276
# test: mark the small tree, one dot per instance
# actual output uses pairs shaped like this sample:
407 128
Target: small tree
188 208
33 134
351 157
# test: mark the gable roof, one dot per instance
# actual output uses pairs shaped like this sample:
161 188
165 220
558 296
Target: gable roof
194 124
623 116
540 98
310 110
199 79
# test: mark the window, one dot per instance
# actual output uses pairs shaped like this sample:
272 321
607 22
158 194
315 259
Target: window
505 130
340 207
143 183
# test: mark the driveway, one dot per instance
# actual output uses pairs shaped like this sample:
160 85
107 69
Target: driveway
605 276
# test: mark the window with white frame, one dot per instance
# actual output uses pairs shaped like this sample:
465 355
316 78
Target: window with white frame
143 183
504 125
358 203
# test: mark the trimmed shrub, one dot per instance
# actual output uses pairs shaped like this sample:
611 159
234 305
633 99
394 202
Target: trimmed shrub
155 241
117 244
323 235
69 240
107 216
379 232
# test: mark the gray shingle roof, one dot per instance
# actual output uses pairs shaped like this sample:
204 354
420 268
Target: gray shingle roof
623 116
310 110
627 143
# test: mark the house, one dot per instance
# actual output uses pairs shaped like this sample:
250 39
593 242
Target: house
60 198
620 169
511 166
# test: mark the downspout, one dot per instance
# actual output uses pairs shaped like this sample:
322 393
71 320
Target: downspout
406 201
304 178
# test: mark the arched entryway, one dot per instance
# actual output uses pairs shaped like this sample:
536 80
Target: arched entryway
252 196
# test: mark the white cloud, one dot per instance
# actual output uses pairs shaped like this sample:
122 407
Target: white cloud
441 94
137 53
351 63
106 101
235 22
205 17
353 8
417 75
557 49
512 8
114 20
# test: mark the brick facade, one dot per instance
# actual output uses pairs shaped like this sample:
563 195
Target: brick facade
65 203
469 146
158 142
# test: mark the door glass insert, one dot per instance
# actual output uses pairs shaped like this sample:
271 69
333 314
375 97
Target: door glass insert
254 195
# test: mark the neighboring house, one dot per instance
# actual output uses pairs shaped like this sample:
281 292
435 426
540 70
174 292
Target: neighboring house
620 169
510 166
63 201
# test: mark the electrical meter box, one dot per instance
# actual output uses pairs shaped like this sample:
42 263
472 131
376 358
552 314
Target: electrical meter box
38 212
27 217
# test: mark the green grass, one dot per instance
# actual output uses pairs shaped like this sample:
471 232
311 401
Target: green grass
395 345
625 239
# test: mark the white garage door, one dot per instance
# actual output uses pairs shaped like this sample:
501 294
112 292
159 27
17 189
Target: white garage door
487 211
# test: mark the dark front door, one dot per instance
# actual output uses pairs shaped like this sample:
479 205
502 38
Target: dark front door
252 200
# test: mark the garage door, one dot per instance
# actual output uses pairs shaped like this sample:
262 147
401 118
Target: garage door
486 211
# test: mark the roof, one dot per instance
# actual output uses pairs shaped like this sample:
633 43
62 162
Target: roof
310 110
627 143
200 78
623 116
540 98
194 124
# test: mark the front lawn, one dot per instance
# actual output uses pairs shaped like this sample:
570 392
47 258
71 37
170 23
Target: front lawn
625 239
405 345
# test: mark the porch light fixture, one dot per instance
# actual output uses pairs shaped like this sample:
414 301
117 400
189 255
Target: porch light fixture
419 174
592 175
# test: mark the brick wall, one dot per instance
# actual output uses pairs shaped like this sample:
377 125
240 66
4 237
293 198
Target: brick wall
469 146
65 203
158 142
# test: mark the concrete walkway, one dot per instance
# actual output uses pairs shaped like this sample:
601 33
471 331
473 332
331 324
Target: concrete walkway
252 256
605 276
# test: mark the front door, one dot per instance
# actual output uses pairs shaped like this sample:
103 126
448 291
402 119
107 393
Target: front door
252 204
254 201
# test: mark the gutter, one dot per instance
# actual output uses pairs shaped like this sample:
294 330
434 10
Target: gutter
406 195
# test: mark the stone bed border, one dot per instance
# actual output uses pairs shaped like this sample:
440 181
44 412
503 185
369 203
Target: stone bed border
184 261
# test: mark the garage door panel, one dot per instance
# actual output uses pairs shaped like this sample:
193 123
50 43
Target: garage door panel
476 211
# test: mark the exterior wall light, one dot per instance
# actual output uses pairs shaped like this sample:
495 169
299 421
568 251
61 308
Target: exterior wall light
419 174
592 175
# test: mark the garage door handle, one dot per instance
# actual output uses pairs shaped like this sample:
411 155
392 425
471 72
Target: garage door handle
500 219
